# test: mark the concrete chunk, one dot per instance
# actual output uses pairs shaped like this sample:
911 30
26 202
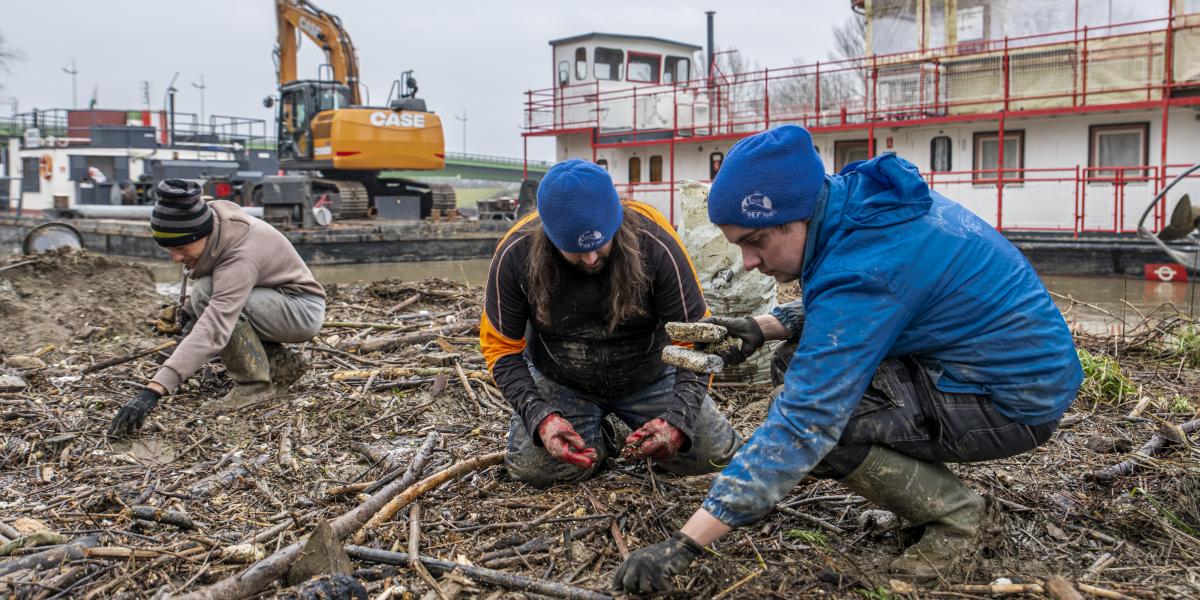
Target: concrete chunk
692 360
696 332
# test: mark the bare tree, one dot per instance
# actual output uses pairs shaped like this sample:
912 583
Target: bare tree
850 38
7 56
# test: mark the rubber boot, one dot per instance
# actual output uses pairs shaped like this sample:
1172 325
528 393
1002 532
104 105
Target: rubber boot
926 494
287 366
246 363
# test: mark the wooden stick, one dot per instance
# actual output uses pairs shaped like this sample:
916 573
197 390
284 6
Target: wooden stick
1147 450
739 583
166 517
613 528
998 588
386 513
1139 407
407 302
50 558
1058 588
104 364
491 576
462 378
361 325
416 337
40 538
1103 593
258 576
414 543
403 372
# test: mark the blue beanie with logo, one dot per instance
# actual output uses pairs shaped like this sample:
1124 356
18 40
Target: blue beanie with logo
579 206
767 179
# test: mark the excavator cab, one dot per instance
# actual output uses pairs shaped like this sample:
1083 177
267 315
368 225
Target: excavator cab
299 101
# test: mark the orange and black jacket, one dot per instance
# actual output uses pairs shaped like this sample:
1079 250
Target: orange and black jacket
576 349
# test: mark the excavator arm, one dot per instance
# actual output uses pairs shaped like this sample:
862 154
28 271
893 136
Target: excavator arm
294 17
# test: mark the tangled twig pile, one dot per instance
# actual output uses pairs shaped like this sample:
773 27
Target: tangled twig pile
392 441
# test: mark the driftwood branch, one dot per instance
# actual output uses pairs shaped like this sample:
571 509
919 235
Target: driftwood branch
403 372
50 558
417 337
1147 450
491 576
104 364
260 575
386 513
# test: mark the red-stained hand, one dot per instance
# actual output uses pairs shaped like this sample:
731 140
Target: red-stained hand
563 443
657 439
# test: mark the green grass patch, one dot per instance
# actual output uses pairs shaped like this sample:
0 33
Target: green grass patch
809 536
878 593
1179 404
1103 380
1185 345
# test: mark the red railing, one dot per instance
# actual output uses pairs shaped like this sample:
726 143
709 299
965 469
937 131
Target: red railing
1114 65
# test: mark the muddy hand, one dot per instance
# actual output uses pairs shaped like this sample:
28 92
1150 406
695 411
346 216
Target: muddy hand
745 331
656 439
650 569
133 414
563 443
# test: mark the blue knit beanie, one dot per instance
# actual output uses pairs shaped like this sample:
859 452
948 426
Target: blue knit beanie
579 206
770 178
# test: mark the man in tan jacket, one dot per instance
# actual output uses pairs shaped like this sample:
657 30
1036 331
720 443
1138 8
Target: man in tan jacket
250 293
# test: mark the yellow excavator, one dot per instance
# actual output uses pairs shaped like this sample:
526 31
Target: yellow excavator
333 148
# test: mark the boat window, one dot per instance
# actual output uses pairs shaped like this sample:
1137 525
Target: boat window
580 63
602 163
678 70
714 164
985 158
1123 145
656 168
31 179
609 64
635 170
564 72
848 151
939 154
643 67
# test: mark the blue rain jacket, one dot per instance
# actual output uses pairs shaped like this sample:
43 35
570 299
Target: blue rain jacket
893 269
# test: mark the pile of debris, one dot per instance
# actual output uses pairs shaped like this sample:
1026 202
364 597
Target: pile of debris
382 466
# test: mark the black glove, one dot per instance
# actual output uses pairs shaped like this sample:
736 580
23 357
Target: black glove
650 569
134 412
745 330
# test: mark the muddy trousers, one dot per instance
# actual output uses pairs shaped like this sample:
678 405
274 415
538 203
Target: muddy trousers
905 411
274 315
713 443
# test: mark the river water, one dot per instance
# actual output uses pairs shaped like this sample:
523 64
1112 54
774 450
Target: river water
1097 304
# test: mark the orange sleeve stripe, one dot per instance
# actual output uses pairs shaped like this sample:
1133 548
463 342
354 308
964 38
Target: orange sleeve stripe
496 345
652 213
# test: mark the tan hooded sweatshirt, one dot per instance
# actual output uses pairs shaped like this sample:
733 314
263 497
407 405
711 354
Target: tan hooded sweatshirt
242 253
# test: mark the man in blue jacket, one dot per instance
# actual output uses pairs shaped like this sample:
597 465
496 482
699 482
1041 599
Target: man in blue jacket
924 337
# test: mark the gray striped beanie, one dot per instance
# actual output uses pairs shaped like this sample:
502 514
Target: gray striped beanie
180 216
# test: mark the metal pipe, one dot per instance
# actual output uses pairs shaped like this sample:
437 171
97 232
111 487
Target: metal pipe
712 56
132 212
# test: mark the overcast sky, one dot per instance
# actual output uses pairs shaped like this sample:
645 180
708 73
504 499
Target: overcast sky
471 55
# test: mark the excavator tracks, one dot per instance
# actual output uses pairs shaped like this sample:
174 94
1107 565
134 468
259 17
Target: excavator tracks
353 201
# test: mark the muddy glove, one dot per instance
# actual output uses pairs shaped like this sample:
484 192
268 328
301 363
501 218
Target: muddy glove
563 443
746 331
656 439
650 569
134 413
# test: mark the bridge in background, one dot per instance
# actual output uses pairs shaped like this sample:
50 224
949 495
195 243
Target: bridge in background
482 167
